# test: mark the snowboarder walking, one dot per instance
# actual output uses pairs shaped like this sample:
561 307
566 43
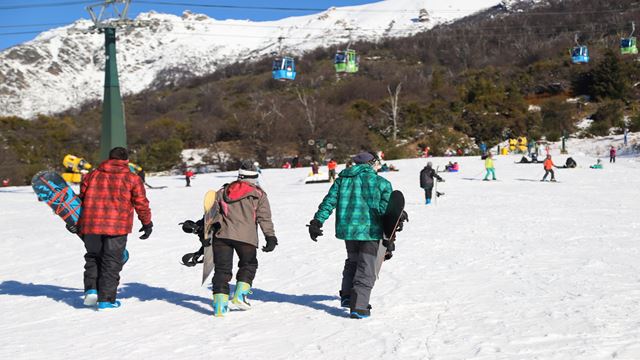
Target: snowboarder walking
548 168
360 198
109 196
488 165
243 205
187 176
332 170
612 154
427 175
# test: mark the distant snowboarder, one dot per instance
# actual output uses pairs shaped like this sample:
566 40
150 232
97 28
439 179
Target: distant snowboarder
360 198
427 175
548 169
332 170
187 177
488 165
612 154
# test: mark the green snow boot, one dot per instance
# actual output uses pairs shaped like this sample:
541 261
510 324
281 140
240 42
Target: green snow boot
220 304
240 299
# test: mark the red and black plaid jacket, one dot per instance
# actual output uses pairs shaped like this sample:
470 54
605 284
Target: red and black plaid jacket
109 195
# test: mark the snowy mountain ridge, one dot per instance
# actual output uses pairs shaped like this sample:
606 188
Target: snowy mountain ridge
63 68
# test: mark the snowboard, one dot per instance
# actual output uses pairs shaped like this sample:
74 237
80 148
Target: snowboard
390 221
60 197
210 211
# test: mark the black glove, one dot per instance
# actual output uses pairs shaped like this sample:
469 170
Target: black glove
74 229
147 230
441 180
403 217
272 241
315 229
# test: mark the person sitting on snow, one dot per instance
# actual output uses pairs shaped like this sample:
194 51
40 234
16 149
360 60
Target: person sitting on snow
597 165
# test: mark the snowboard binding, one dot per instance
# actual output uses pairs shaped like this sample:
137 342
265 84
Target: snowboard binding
194 227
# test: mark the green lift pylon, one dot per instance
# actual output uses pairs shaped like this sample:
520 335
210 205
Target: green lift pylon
113 132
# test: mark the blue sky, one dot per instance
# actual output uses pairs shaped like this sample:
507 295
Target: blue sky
12 20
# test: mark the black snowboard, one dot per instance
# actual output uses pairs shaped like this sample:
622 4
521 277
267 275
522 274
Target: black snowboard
390 221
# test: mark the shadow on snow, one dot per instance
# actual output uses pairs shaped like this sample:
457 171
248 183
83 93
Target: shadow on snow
142 292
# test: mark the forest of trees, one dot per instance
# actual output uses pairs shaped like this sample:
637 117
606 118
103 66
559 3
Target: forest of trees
474 80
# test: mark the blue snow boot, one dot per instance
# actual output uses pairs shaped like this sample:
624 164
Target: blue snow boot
105 305
90 297
428 201
360 314
240 299
220 304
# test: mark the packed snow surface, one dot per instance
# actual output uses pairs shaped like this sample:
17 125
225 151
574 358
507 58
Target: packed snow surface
512 269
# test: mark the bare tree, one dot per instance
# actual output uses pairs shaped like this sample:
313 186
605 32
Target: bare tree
393 110
309 106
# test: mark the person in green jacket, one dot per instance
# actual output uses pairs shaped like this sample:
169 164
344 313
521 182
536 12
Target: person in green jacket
360 197
488 165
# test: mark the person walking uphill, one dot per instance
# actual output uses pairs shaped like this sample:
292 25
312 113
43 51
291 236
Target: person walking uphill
426 181
548 168
109 196
243 205
360 198
488 165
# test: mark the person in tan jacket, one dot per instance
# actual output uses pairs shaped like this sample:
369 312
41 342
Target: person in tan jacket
243 205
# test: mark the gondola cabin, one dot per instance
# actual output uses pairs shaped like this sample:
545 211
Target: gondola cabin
628 46
580 55
284 69
346 61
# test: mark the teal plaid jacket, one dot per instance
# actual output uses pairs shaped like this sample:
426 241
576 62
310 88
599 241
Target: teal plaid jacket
360 198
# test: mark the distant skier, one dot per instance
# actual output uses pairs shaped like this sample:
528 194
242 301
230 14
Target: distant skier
612 154
243 205
315 168
488 165
332 170
109 195
187 176
360 198
548 168
427 175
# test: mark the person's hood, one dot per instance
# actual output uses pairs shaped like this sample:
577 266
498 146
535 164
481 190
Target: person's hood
356 170
114 166
239 190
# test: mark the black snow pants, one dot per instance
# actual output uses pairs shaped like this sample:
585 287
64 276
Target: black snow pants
103 263
428 192
223 259
612 159
547 172
359 274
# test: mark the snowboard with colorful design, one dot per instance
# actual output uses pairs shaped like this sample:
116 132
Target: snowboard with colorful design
51 188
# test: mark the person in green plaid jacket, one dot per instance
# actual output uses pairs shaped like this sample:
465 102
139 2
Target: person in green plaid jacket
360 197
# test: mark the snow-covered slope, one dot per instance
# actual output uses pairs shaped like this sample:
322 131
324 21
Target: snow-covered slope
514 269
63 67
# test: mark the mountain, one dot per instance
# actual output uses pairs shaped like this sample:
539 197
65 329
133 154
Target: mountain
63 68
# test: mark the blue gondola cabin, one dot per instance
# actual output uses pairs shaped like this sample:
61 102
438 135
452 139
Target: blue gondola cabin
284 69
580 55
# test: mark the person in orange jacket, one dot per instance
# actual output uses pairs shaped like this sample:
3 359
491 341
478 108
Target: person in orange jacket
332 170
548 168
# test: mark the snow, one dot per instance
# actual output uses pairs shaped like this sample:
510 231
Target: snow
513 269
194 44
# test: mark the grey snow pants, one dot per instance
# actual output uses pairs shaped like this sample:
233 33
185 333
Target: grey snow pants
359 274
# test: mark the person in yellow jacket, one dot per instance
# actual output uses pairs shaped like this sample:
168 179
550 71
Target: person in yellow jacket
488 164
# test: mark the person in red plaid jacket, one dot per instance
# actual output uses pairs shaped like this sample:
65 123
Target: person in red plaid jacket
109 196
